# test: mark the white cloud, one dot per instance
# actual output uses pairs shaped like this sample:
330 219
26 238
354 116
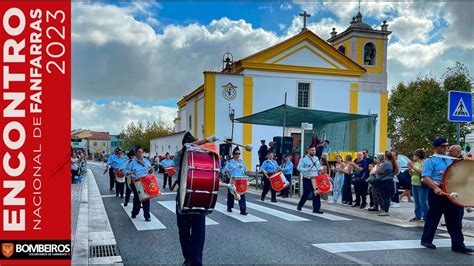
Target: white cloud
415 55
115 116
269 8
281 26
127 59
286 6
409 29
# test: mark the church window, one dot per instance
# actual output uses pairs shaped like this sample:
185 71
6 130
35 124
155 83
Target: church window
342 49
369 54
190 122
303 94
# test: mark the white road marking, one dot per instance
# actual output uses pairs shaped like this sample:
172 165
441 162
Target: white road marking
140 223
381 245
243 218
279 214
171 205
131 195
307 211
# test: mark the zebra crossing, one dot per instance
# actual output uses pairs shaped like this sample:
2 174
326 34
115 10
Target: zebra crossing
256 210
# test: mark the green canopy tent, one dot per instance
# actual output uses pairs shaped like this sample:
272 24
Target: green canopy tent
346 131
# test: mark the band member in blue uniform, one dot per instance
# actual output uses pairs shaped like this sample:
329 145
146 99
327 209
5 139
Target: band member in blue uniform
167 162
137 168
439 204
309 166
191 227
268 168
287 170
236 167
111 169
119 163
128 179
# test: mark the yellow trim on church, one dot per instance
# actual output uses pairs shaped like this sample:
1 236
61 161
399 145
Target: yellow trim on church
209 104
353 109
301 69
257 61
378 53
308 48
383 121
195 116
247 128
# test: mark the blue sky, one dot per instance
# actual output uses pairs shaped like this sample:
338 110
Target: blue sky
147 55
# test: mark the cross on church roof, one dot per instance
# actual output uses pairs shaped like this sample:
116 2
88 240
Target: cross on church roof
304 15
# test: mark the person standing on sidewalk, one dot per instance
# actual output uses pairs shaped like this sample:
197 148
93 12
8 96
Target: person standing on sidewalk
338 178
386 172
137 168
309 166
420 191
348 175
439 204
361 170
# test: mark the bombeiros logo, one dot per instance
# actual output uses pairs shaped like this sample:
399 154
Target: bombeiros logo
7 249
43 248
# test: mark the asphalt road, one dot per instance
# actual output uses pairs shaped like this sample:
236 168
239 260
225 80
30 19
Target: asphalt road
280 239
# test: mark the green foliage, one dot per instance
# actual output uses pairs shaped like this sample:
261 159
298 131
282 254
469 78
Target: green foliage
417 111
139 134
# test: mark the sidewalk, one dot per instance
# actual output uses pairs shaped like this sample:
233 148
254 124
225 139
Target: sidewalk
93 239
398 216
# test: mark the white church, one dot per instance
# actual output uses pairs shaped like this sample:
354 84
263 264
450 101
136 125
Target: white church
346 73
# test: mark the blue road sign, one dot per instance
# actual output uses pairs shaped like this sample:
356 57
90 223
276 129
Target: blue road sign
460 106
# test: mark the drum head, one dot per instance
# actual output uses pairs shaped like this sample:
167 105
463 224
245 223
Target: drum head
459 177
183 178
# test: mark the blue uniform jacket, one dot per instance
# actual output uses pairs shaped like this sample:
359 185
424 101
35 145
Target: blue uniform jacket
167 163
309 162
236 168
111 159
269 166
287 168
434 167
138 170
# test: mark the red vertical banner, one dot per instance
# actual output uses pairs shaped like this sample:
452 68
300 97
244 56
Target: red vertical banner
35 177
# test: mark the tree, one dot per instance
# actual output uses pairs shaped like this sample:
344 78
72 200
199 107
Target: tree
417 112
139 134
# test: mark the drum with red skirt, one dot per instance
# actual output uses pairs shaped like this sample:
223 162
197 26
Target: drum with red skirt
278 181
147 187
199 179
321 184
119 176
458 182
170 171
241 184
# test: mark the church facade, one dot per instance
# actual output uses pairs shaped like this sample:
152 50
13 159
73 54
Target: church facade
346 73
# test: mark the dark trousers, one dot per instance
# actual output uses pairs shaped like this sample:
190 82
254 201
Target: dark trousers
266 188
286 191
74 173
128 191
166 179
119 189
361 188
307 190
192 233
346 189
386 191
136 203
111 178
395 197
230 201
439 205
371 198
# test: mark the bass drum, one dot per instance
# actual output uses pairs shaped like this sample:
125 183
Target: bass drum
199 180
459 177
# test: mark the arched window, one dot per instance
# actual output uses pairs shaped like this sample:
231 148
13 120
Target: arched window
342 49
369 54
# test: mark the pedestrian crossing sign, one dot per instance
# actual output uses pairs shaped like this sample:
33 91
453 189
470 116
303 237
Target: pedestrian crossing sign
460 106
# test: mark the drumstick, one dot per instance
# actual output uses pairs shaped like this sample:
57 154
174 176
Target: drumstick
453 195
247 147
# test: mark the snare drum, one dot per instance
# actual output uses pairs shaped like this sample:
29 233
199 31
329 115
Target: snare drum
278 181
241 184
119 176
170 171
321 184
199 180
147 187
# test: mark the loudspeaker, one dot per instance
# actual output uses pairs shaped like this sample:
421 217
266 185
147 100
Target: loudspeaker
224 149
287 144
